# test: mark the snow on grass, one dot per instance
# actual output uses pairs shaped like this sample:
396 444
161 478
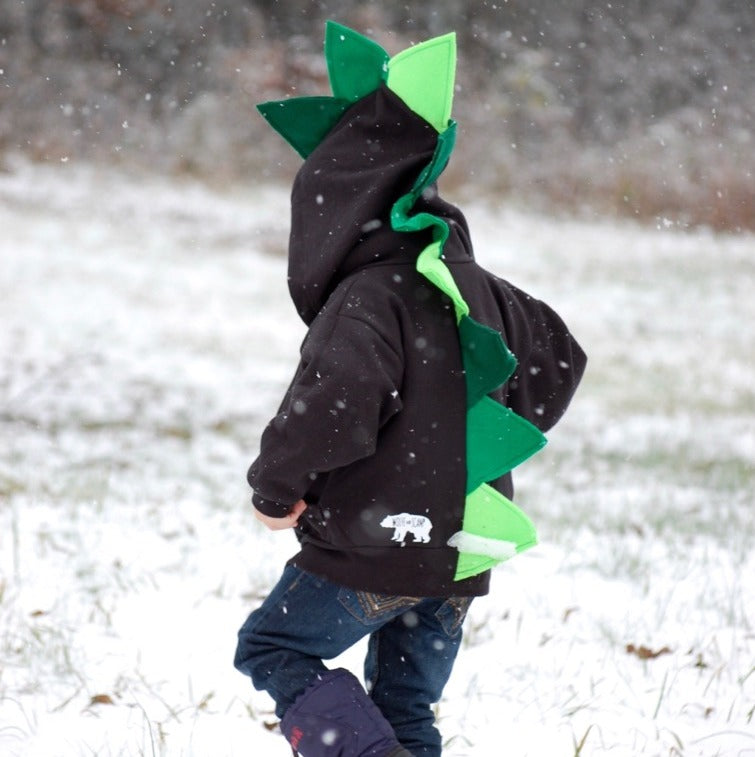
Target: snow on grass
146 338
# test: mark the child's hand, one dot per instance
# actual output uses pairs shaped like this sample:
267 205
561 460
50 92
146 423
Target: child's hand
289 521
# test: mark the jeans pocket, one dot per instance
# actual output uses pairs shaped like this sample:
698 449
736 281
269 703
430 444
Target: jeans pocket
371 609
452 613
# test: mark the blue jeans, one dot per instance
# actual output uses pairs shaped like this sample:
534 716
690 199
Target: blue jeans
412 647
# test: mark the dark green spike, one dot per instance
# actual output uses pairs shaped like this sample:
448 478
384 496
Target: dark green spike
432 171
488 362
356 64
303 121
497 440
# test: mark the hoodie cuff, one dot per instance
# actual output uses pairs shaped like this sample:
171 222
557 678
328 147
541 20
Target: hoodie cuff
270 507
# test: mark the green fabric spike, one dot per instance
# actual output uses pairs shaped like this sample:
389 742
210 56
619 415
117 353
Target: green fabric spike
435 270
400 218
488 362
429 263
303 121
469 565
356 64
438 162
488 515
497 441
423 77
402 221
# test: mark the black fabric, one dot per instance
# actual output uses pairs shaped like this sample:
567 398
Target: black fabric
373 425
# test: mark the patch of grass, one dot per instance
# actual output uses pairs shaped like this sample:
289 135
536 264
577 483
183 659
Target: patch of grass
10 486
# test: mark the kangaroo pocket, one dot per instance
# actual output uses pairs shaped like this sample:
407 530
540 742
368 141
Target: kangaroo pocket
315 525
333 528
369 528
344 528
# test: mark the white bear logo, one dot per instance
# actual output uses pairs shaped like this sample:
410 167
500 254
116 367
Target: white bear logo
419 526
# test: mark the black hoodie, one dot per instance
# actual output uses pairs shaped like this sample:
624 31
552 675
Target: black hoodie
372 431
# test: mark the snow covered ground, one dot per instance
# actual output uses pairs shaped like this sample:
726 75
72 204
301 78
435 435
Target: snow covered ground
146 336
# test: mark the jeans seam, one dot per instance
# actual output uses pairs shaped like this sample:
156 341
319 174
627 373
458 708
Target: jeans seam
459 606
371 613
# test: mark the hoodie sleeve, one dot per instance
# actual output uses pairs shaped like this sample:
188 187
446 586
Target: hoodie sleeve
550 361
347 386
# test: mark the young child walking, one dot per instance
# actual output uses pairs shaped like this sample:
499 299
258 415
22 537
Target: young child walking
423 380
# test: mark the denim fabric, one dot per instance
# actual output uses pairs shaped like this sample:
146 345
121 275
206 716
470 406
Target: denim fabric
412 647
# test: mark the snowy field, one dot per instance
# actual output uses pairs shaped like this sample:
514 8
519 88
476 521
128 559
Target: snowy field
146 336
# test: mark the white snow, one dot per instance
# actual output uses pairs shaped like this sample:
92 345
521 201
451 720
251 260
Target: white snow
146 338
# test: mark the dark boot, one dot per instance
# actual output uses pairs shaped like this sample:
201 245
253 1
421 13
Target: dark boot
334 717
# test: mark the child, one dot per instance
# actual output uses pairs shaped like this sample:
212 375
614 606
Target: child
423 380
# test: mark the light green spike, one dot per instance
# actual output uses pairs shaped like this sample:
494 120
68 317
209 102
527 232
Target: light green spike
356 64
492 523
435 270
470 564
423 77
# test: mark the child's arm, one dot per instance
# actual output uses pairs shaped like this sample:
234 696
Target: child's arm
346 388
550 361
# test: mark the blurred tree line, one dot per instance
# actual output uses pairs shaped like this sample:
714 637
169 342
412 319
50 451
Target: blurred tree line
643 107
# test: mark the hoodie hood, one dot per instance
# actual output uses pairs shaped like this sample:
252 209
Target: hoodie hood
343 195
